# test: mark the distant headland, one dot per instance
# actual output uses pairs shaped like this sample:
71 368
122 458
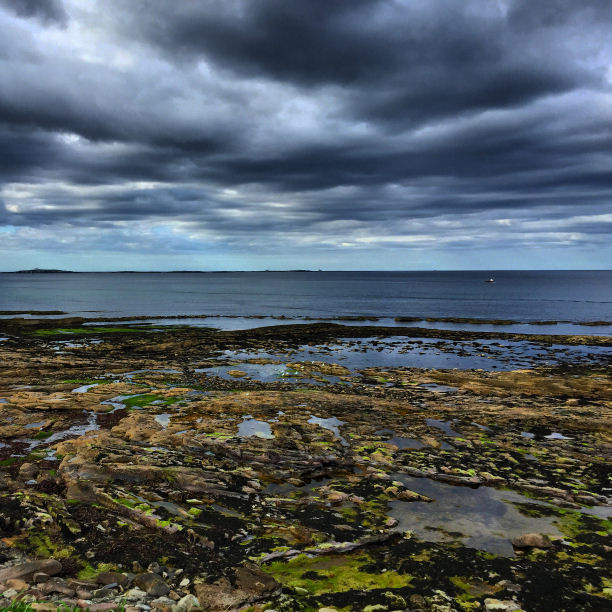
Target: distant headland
43 271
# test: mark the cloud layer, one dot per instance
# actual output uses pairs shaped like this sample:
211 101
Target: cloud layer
271 134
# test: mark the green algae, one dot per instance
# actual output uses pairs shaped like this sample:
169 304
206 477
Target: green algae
45 547
578 526
88 571
332 574
144 399
43 435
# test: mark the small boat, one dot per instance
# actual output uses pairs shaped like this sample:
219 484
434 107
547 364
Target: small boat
490 280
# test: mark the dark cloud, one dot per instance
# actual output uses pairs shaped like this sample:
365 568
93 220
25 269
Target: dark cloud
46 10
361 123
402 60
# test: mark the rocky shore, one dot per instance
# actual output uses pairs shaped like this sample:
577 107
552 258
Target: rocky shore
303 467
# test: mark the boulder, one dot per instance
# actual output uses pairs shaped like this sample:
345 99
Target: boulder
532 540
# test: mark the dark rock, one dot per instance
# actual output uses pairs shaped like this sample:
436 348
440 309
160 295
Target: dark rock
105 591
112 577
58 585
39 577
28 471
152 584
253 580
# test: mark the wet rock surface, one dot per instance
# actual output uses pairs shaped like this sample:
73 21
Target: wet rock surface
304 467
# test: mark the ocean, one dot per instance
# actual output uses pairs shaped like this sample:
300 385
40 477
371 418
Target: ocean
524 296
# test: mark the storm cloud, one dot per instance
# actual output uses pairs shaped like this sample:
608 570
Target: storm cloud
271 134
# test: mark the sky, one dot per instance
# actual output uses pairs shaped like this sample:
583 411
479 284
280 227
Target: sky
275 134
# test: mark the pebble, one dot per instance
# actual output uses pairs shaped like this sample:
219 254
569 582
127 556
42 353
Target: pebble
43 607
105 591
185 603
134 594
17 583
101 607
163 603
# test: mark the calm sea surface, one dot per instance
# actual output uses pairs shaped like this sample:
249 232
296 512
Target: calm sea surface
519 295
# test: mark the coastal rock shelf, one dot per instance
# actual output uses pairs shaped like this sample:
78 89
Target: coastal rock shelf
304 467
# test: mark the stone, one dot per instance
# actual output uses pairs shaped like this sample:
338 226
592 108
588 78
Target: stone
253 580
43 606
164 604
153 584
408 495
101 607
236 373
40 577
17 583
112 578
28 471
134 595
24 571
58 586
337 497
497 605
219 597
10 593
397 602
532 540
105 591
185 603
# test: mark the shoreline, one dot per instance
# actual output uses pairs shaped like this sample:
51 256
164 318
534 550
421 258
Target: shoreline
302 466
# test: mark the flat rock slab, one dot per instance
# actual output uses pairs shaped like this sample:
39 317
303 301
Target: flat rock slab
51 567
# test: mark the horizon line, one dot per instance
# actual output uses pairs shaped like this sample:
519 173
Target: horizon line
300 270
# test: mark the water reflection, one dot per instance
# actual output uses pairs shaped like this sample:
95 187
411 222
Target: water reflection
483 518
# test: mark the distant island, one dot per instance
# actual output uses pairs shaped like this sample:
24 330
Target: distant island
53 271
42 271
